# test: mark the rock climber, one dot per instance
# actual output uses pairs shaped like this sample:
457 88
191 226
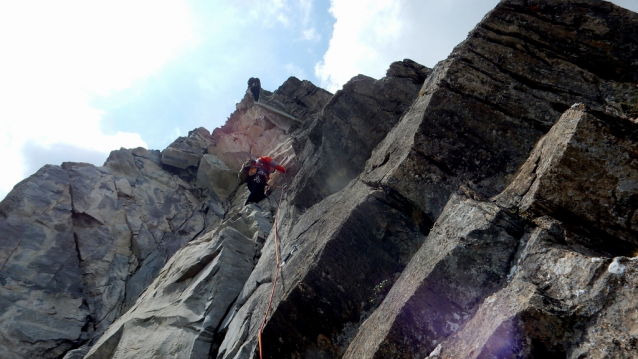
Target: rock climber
256 174
254 85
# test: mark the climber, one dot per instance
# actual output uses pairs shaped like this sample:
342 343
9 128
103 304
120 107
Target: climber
256 174
254 85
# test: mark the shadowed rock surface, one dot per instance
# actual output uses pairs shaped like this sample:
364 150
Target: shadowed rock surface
558 286
481 209
335 146
482 110
466 257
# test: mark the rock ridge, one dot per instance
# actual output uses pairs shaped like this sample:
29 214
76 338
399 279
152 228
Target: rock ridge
485 208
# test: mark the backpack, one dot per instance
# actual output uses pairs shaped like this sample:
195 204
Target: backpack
247 169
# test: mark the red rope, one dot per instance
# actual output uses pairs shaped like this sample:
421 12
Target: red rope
274 283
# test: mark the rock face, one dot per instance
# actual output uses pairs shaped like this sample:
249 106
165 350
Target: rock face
319 294
81 244
584 172
553 281
335 146
200 281
42 306
483 109
485 208
466 257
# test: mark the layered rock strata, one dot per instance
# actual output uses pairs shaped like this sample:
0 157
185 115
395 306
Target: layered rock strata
445 213
483 109
335 145
558 286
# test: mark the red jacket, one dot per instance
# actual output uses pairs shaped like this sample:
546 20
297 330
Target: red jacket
269 165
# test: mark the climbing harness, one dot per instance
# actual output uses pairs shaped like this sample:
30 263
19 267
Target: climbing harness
274 284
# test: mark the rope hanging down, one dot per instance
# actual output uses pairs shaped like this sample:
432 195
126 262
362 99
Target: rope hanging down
274 282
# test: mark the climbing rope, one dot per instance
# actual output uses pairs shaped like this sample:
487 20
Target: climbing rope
274 284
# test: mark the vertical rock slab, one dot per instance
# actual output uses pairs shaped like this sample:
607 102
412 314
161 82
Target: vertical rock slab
178 314
334 147
465 258
483 109
584 172
162 215
347 245
560 303
42 310
103 240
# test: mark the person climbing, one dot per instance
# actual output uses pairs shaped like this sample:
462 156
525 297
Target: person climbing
254 85
256 173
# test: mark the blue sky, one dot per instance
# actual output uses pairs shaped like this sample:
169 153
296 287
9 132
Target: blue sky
81 78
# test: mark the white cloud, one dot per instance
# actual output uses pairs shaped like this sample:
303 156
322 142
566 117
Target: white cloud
305 9
368 36
57 55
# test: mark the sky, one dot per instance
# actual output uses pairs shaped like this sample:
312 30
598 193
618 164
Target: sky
80 78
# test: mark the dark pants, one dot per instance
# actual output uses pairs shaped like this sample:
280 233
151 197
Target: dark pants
255 92
256 185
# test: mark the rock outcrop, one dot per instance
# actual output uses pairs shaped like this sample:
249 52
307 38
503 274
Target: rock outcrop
42 306
485 208
335 146
483 109
545 278
466 258
81 244
200 281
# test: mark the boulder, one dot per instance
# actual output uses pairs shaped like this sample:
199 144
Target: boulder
213 174
584 172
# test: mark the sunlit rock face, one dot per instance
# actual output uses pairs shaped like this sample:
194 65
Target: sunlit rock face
81 244
481 209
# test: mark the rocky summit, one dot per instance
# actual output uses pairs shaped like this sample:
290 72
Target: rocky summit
485 208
